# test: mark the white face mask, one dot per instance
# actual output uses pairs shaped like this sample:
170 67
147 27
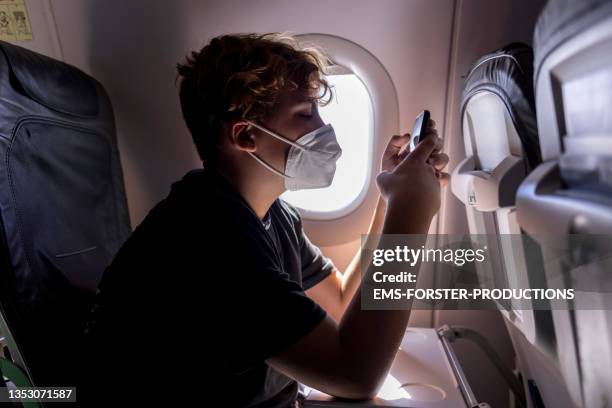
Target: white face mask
311 161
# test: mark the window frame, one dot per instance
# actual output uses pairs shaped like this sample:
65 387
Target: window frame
384 111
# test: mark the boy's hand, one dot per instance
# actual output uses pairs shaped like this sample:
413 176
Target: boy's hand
412 180
397 150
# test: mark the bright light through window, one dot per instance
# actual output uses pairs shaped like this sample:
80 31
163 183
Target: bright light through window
350 115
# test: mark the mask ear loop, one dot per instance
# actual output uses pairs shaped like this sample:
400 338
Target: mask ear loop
263 163
267 166
276 135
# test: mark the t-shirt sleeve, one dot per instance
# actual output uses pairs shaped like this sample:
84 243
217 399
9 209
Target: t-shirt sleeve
315 265
275 317
262 310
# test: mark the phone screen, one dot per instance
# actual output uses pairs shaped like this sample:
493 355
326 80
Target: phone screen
419 129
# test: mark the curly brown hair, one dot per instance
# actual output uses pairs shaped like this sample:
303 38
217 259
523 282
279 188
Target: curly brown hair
242 76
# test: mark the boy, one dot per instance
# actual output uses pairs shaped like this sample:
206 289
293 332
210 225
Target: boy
219 290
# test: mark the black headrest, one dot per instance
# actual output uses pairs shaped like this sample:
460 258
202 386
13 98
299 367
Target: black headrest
508 73
52 83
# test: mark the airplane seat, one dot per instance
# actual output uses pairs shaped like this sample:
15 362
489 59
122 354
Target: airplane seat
502 147
63 209
570 193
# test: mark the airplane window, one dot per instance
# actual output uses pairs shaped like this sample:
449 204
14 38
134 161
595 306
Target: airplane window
350 115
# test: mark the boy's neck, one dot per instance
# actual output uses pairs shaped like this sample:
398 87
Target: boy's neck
258 189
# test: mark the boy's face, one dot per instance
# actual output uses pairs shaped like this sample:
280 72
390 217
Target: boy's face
296 116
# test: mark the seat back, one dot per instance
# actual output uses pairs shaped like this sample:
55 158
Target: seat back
571 191
501 142
500 137
63 210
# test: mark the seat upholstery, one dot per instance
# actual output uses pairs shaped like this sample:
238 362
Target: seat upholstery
507 73
571 191
63 209
573 77
502 146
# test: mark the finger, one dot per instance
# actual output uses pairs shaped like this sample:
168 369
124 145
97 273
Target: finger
395 144
425 148
438 160
382 177
431 124
443 179
397 141
431 132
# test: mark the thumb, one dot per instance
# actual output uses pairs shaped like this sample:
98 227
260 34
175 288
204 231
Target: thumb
424 149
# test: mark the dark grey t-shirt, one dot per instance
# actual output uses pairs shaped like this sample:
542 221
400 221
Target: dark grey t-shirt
214 291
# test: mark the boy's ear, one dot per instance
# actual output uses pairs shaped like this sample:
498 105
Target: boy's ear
241 136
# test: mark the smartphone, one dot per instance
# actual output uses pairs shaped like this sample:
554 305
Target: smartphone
419 131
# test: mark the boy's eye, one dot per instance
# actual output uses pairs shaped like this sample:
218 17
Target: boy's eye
305 114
